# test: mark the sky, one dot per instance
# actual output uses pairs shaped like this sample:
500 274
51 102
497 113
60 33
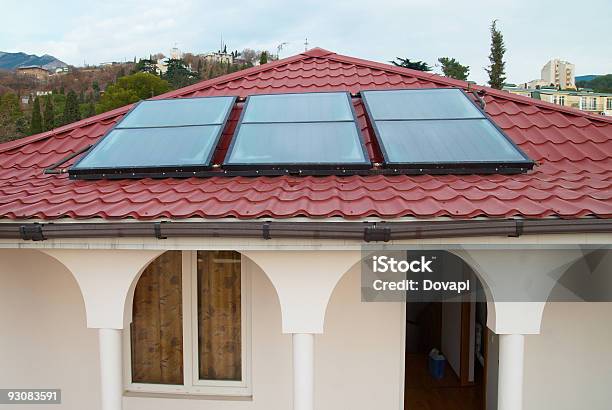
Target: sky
92 32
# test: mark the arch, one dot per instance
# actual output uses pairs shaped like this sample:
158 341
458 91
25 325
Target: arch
19 253
304 282
104 278
130 295
482 278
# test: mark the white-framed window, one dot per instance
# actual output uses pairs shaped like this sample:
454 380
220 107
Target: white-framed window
609 104
191 336
561 100
588 103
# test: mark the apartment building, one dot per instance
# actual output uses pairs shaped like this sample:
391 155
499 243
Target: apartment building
589 101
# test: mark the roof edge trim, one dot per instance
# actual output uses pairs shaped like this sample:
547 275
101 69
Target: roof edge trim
361 231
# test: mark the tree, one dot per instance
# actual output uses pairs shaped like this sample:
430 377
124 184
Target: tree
249 56
48 115
131 88
496 69
263 57
599 84
90 110
71 109
13 124
36 123
453 69
96 91
414 65
179 75
146 66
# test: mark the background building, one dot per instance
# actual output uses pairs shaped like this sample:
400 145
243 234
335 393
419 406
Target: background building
555 73
559 73
595 103
34 71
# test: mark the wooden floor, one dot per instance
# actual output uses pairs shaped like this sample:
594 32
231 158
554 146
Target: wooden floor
425 393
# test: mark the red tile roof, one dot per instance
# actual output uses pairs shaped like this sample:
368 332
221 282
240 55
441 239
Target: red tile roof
572 178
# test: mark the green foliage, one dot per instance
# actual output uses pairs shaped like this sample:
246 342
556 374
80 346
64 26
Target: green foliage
414 65
130 89
71 109
48 115
96 90
13 124
179 75
600 84
453 69
496 70
36 123
263 57
146 65
88 110
115 97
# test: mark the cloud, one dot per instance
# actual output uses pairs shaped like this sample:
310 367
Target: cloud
534 32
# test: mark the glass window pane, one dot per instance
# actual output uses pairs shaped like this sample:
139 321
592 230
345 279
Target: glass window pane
157 322
306 143
445 141
298 107
219 315
178 111
152 147
420 104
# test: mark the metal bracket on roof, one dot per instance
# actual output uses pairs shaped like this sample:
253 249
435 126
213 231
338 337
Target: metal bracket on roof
376 233
31 232
157 229
481 100
518 229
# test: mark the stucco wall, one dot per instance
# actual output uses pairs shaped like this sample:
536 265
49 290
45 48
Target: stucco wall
568 366
44 343
43 339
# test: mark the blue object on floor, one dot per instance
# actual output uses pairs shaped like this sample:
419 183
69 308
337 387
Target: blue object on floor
437 363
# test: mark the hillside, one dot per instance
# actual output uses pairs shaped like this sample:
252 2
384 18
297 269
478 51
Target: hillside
10 61
586 78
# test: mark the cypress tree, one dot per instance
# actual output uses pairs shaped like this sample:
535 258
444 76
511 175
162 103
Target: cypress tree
90 110
49 115
36 122
497 74
71 109
263 58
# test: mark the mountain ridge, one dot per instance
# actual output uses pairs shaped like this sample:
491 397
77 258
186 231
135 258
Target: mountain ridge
11 61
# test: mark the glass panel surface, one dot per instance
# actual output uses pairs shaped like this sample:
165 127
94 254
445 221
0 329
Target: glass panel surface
445 141
157 322
219 316
152 147
298 107
420 104
306 143
178 111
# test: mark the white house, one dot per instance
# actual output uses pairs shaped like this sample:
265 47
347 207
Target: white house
205 253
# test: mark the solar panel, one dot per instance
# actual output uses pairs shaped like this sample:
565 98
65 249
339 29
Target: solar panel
157 135
438 128
312 130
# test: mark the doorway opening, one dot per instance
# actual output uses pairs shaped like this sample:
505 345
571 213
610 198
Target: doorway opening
463 380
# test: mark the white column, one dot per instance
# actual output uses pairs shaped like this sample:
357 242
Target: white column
111 369
303 371
511 359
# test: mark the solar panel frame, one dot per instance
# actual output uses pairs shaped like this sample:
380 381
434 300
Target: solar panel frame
486 166
315 166
152 171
